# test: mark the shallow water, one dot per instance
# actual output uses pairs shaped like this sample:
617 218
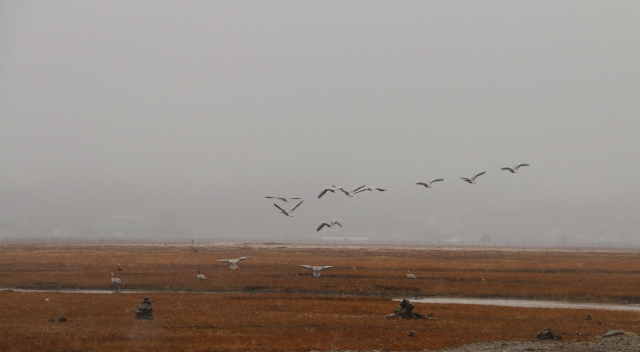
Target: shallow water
526 303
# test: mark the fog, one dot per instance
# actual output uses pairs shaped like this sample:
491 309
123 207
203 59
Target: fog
175 119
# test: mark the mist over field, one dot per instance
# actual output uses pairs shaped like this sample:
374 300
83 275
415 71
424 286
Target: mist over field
174 120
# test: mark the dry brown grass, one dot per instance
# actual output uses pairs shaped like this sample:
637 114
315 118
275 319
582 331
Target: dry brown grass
269 303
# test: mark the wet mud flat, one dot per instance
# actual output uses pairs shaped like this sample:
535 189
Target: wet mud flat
269 296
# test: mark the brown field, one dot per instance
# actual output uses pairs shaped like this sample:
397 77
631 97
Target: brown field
269 303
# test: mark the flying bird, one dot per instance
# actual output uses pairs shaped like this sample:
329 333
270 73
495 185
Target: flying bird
473 179
514 169
316 269
331 225
367 188
333 189
352 193
411 276
233 262
115 280
428 184
284 199
200 276
290 212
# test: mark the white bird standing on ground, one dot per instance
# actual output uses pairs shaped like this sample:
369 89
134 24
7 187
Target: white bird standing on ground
473 179
514 169
367 188
233 262
411 276
115 280
290 212
428 184
284 199
333 189
331 225
316 269
200 276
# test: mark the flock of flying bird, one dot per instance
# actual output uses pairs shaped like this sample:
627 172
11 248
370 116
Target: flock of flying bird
334 189
332 224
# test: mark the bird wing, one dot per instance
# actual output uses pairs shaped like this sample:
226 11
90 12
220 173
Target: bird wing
521 165
356 192
294 198
465 179
325 267
279 208
224 260
421 184
506 168
241 259
322 225
337 223
270 197
479 174
307 266
324 191
358 188
437 180
297 205
380 189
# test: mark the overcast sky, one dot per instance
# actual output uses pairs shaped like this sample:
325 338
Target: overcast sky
195 111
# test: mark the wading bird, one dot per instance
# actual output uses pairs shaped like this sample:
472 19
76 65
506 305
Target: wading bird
428 184
290 212
514 169
331 225
411 276
200 276
367 188
316 269
473 179
284 199
333 189
193 247
233 262
115 280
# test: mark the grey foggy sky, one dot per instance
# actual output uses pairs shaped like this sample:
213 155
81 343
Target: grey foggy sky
197 110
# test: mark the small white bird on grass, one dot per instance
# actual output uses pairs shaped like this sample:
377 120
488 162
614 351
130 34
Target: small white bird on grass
331 225
316 269
473 179
115 280
200 276
428 184
514 169
411 276
290 212
284 199
233 262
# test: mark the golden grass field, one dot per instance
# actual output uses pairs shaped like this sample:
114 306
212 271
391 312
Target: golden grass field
270 303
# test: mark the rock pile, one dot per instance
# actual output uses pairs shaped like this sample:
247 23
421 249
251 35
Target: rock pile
548 334
405 311
144 310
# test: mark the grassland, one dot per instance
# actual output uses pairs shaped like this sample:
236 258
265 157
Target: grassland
270 303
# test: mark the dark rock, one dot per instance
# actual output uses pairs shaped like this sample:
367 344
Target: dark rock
144 310
548 334
613 333
405 311
62 320
51 320
588 317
